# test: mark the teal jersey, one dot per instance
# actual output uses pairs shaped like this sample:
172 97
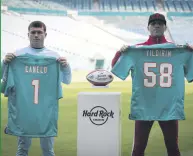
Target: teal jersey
33 88
158 85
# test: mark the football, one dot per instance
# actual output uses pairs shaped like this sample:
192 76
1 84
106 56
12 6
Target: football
100 77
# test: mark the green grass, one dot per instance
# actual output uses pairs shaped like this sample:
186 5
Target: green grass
65 144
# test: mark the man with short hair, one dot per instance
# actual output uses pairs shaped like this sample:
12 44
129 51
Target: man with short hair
156 26
37 34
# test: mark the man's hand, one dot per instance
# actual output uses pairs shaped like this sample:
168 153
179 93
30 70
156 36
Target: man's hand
9 57
190 47
124 49
63 61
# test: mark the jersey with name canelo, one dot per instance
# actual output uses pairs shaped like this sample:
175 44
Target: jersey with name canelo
158 85
33 88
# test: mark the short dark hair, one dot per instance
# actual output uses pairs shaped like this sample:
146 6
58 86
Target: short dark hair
37 24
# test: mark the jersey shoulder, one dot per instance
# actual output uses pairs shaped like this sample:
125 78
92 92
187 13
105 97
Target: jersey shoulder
22 51
39 52
51 53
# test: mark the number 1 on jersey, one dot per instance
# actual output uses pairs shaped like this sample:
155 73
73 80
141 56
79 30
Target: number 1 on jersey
35 83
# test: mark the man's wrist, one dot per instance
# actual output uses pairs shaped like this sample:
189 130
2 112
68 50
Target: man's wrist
4 62
65 66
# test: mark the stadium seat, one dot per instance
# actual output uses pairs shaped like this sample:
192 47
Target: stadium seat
190 3
151 5
129 6
178 6
177 25
143 5
171 5
185 6
136 5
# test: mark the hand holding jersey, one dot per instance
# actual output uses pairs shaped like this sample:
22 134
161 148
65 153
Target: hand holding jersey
9 57
28 83
63 61
33 95
156 27
190 47
124 48
157 71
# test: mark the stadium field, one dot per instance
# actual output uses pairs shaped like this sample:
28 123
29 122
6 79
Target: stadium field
65 143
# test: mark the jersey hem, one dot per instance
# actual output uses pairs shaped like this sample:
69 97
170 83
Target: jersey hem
190 81
32 136
158 119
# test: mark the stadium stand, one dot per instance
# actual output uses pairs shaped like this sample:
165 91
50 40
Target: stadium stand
64 38
106 5
180 29
99 32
